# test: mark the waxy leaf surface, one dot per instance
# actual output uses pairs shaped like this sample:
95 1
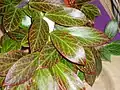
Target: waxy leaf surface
67 17
22 70
8 59
38 35
68 46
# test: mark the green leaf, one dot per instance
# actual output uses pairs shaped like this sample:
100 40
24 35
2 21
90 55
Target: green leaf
81 75
65 78
8 59
90 10
67 63
90 79
67 17
44 5
111 29
8 44
68 46
116 42
38 35
113 48
105 54
12 18
49 56
22 70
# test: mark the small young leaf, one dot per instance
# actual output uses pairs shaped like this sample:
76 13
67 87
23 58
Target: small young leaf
67 45
111 29
67 17
22 70
8 59
38 35
90 10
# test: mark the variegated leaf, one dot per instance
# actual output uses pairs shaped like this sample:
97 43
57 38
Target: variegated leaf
18 34
60 77
98 60
22 70
90 67
8 44
45 81
67 17
87 36
8 59
90 10
49 56
68 46
90 79
1 81
44 5
65 78
12 18
38 35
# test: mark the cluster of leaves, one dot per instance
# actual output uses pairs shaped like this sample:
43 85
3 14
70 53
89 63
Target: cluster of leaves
36 56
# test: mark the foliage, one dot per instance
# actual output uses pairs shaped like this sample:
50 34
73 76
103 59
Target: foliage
35 56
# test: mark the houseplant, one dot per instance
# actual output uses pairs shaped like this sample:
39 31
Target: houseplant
36 56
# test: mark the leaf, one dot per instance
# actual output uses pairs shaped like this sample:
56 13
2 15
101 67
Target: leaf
49 56
44 5
90 67
105 54
12 18
67 63
24 41
93 62
90 10
90 79
8 44
113 48
111 29
68 46
87 36
1 81
81 75
45 81
98 61
65 78
8 59
67 17
22 70
38 35
18 34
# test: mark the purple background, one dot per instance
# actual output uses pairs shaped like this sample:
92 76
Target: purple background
102 20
